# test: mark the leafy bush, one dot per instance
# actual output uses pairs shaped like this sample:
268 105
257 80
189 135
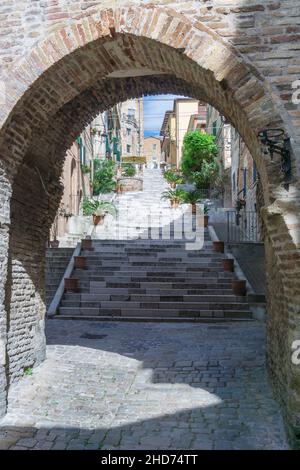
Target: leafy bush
207 175
128 169
199 161
104 176
173 176
191 197
175 196
85 168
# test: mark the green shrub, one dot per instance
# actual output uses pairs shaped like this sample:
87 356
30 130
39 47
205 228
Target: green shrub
199 160
175 196
173 176
104 176
128 169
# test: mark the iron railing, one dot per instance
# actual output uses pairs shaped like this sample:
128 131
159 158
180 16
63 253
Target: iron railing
243 226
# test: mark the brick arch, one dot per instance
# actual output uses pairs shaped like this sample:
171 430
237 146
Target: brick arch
76 64
109 39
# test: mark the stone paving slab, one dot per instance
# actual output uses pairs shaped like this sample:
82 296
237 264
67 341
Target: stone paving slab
146 386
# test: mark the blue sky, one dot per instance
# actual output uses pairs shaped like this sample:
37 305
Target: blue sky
154 110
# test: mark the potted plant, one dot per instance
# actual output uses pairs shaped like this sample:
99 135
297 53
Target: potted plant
218 246
192 197
239 287
240 203
71 284
80 262
228 264
98 210
175 196
173 177
86 244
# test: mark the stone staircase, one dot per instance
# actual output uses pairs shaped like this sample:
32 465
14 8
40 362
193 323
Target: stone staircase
153 280
57 260
137 273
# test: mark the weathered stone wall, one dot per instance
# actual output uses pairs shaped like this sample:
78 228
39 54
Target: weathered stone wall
32 210
59 62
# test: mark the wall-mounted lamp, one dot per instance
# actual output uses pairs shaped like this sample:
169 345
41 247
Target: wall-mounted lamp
275 141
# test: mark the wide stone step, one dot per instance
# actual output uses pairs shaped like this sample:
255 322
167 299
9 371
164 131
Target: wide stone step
144 304
131 312
145 271
148 274
151 298
149 291
151 261
172 284
154 264
156 319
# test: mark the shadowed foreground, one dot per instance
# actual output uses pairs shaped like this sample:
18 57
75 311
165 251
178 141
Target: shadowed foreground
146 386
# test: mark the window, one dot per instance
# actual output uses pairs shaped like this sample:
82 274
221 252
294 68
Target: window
254 173
214 128
82 154
154 147
233 182
244 182
128 131
131 112
128 148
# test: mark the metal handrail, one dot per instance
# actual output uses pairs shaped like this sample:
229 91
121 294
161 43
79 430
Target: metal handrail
243 227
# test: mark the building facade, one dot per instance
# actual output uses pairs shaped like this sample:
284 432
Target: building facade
152 151
187 115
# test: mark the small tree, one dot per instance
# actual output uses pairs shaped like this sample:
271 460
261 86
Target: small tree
199 161
104 176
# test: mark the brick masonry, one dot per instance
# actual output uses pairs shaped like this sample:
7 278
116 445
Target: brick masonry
240 56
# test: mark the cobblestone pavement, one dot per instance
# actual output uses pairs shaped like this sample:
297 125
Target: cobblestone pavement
146 386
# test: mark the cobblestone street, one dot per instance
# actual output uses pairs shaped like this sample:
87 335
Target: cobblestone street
146 386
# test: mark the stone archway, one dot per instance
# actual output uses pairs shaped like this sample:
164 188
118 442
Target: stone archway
78 67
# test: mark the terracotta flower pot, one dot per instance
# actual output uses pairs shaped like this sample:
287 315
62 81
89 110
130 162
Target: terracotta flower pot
228 264
98 219
206 217
80 262
218 247
71 284
194 209
86 244
173 185
174 204
239 287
